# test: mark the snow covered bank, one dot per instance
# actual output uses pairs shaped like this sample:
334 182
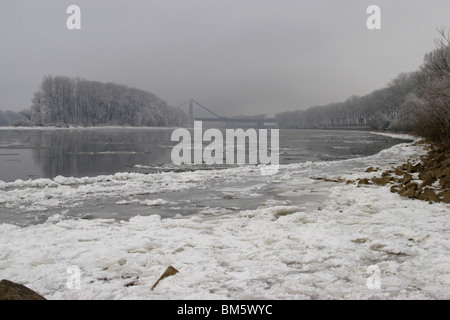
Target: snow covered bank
275 251
404 136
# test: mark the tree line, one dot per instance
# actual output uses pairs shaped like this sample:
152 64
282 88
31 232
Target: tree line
10 118
62 101
417 102
377 110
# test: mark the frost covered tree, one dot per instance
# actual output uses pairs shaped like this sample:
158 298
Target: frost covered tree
408 113
376 110
65 101
434 121
11 118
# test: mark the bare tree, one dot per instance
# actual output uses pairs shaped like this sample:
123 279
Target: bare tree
434 121
66 101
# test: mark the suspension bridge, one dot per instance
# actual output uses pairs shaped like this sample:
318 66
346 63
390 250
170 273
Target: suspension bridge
258 122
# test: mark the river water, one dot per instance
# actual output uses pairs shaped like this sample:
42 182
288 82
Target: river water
123 172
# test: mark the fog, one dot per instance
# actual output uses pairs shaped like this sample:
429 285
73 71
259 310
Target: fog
234 56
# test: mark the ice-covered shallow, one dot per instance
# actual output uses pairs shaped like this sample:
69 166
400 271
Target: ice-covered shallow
308 239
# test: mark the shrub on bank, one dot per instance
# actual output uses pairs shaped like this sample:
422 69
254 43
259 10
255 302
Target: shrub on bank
433 120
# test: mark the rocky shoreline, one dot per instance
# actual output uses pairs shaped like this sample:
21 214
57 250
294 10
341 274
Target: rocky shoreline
426 179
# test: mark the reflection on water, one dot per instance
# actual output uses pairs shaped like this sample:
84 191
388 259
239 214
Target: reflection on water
79 153
26 154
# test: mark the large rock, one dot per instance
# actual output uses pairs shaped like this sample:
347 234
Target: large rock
445 172
381 181
426 182
406 178
409 193
435 173
409 168
363 181
446 163
14 291
446 196
399 172
411 185
444 181
396 189
428 195
418 167
424 175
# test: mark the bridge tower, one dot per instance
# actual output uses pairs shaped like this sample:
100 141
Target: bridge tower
191 110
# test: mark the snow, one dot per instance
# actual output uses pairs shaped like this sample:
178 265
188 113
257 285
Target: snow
323 247
404 136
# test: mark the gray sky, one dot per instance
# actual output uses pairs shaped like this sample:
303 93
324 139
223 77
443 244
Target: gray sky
234 56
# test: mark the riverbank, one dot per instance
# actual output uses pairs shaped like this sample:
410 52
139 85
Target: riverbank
424 178
352 242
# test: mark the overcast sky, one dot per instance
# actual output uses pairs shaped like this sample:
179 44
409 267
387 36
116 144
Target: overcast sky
234 56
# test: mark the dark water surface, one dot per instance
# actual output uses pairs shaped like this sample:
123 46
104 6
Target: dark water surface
30 154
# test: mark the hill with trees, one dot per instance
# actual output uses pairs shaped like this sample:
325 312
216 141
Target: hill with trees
10 118
63 101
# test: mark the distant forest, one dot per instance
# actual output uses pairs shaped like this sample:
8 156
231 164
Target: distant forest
63 101
386 108
11 118
417 102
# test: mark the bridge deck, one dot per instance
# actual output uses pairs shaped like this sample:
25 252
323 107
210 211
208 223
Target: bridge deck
224 119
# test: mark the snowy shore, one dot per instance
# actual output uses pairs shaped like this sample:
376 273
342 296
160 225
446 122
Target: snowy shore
328 250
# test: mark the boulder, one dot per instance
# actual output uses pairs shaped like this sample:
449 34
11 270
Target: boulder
428 194
406 178
435 173
411 185
363 181
410 193
418 167
446 196
426 182
386 173
381 181
445 172
446 163
396 189
444 181
409 168
394 179
424 175
14 291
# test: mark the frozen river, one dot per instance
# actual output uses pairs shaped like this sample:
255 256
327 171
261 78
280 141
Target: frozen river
123 172
231 233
